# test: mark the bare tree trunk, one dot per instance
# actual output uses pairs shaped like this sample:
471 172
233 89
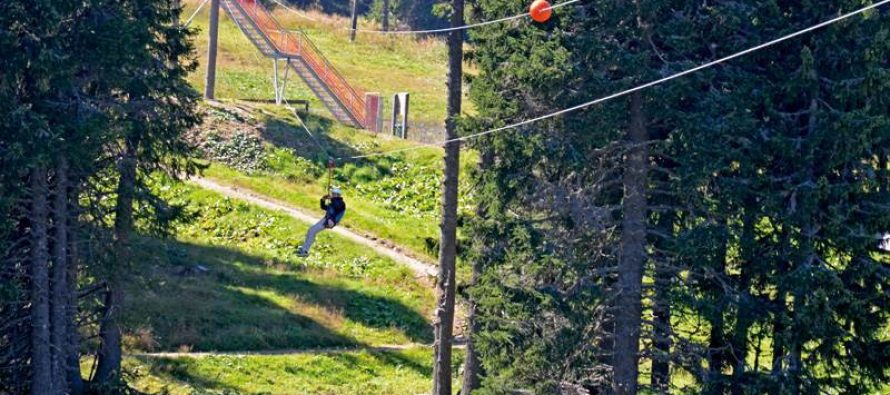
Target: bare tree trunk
176 5
739 340
661 311
213 32
629 307
448 240
385 15
41 357
472 367
75 380
109 366
60 302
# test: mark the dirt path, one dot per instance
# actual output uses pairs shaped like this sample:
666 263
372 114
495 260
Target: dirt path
422 269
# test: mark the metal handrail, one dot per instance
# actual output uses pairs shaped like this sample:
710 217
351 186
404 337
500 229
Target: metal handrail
301 46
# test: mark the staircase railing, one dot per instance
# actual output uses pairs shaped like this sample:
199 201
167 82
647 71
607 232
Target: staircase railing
298 45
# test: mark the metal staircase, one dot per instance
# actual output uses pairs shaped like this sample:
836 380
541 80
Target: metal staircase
347 104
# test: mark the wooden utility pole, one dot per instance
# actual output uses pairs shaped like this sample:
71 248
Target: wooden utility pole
354 20
210 81
445 286
385 15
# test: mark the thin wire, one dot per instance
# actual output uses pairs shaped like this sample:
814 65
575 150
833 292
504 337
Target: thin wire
194 14
464 27
299 14
643 86
303 124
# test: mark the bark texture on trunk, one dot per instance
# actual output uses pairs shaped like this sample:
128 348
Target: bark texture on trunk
60 302
213 32
472 368
628 309
738 342
176 5
109 366
661 311
445 285
41 357
472 375
75 381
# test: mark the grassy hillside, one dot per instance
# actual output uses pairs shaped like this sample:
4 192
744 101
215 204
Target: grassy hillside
394 197
229 281
343 372
244 290
374 63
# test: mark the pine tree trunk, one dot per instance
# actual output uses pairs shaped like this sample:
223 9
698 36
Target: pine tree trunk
472 366
385 15
448 237
109 366
628 309
74 378
41 356
808 233
661 311
60 302
213 33
176 5
716 362
739 339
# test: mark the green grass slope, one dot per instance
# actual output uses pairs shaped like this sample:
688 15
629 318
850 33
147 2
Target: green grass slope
364 372
374 63
228 281
393 197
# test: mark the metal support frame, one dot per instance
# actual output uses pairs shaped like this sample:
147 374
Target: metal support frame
279 85
399 125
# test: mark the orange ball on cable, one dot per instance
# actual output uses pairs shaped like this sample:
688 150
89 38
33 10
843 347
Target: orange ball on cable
540 11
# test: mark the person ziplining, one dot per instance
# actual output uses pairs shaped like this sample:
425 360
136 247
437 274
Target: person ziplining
334 207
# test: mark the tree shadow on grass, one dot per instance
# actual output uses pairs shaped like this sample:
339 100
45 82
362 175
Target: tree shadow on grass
177 371
236 305
319 146
369 310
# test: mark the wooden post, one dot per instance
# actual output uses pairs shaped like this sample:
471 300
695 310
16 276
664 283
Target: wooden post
385 15
354 20
210 81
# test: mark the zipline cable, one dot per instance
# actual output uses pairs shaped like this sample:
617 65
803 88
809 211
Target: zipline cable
640 87
464 27
331 161
194 14
305 128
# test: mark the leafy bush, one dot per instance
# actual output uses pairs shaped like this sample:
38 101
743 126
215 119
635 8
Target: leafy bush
243 151
410 189
283 162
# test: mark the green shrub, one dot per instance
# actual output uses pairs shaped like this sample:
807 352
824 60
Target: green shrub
409 189
283 162
243 151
